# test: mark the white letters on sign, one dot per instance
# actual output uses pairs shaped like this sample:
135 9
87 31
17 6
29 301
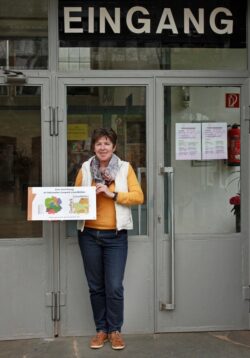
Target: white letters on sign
142 23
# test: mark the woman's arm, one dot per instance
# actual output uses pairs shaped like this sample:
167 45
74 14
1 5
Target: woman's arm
134 196
78 181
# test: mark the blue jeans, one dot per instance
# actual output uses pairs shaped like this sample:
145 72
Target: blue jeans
104 254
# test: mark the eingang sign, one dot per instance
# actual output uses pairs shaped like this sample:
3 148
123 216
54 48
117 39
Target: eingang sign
173 23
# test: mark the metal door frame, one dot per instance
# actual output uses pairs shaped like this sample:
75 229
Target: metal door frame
107 80
45 242
168 304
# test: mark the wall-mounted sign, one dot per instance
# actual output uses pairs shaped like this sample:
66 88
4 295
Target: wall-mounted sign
77 131
145 23
201 141
232 100
188 141
214 141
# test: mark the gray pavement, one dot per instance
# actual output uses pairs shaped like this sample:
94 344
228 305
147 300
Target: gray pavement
166 345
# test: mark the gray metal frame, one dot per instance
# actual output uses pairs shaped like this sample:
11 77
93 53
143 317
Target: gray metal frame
37 251
207 80
67 245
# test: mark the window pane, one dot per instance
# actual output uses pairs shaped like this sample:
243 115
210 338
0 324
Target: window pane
20 159
24 34
203 188
123 109
77 59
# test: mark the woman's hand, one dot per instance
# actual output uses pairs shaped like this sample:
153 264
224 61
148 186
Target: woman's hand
102 188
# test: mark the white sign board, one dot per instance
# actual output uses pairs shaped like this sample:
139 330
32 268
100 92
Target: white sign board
188 141
62 203
214 141
201 141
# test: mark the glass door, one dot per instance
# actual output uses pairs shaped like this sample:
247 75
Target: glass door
125 108
25 150
200 188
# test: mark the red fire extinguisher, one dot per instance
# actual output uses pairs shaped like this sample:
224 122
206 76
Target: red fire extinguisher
234 145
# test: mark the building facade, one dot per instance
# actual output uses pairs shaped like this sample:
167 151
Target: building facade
172 78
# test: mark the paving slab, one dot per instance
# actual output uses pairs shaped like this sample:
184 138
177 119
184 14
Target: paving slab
165 345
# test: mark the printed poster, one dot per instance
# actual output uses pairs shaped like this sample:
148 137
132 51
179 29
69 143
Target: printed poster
188 141
61 203
214 141
77 132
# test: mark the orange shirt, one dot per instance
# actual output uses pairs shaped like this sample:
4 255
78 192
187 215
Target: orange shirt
105 207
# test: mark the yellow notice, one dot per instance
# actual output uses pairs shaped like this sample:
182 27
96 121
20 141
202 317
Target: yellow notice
77 131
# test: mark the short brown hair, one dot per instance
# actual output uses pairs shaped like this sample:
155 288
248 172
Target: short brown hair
103 132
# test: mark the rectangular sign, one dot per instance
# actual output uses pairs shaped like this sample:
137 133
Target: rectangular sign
77 131
147 23
61 203
188 141
201 141
214 141
232 100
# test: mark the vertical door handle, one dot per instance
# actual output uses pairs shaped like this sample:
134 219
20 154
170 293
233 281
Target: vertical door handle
53 122
169 171
140 170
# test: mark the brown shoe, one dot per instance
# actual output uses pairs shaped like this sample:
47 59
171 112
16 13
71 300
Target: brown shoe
99 340
116 340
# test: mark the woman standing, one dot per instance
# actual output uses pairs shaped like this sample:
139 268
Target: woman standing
103 242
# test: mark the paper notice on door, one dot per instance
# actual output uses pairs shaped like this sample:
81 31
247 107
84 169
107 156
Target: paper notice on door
61 203
214 141
188 141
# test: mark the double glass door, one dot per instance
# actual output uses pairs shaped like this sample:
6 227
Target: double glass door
43 143
187 248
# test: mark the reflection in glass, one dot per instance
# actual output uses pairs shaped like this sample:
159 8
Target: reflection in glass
24 34
20 160
202 188
123 109
179 58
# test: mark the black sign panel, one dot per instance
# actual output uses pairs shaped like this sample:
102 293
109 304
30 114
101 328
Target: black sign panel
155 23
